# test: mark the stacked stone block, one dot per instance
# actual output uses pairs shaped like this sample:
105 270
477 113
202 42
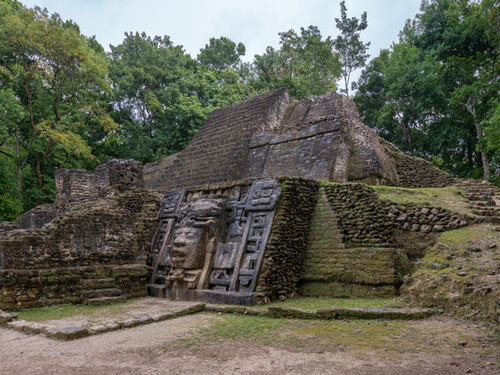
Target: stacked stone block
416 173
286 247
98 240
416 217
360 217
74 185
38 216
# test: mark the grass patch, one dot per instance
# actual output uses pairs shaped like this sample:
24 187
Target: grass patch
468 234
43 314
451 198
230 331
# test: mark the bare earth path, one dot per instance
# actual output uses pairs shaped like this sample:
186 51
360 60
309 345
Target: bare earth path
177 347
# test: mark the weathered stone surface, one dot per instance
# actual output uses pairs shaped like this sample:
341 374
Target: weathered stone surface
190 310
218 151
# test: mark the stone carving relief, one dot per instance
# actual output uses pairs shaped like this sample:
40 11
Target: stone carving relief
209 243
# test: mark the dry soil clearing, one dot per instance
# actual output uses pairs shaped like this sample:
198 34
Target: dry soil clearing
208 343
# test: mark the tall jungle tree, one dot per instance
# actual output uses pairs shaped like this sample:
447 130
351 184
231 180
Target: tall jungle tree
306 64
352 51
55 76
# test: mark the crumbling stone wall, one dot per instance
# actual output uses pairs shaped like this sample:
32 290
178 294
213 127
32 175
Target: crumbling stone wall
119 176
321 138
55 286
97 233
360 217
38 216
74 185
286 247
102 244
266 136
416 217
351 249
7 226
417 173
90 249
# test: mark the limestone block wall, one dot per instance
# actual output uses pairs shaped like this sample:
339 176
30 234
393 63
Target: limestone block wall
38 216
417 217
310 153
218 152
285 250
99 233
74 185
360 215
321 138
21 289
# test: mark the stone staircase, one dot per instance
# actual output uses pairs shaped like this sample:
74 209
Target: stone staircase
101 292
484 199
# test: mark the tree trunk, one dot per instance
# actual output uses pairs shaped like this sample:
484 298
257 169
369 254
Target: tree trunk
19 172
39 178
484 154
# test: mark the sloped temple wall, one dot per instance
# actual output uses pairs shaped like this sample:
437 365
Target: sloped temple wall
218 152
267 136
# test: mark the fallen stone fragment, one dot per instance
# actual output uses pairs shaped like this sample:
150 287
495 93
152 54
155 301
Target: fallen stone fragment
128 323
27 327
143 319
384 313
231 309
7 317
474 249
164 316
190 310
256 312
103 328
67 333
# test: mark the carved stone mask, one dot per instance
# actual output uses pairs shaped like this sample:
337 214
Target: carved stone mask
188 250
197 225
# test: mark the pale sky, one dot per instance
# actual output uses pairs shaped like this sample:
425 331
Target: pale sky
256 23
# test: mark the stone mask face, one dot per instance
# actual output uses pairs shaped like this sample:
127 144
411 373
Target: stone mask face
189 247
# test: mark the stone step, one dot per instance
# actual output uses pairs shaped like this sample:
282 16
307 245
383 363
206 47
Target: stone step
486 203
99 293
492 219
489 213
92 284
104 301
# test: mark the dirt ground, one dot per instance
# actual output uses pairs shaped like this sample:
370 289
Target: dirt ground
435 346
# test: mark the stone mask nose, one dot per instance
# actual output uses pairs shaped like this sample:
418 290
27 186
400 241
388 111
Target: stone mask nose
180 240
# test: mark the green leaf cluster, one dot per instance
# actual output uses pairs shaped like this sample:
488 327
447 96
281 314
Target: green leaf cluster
436 92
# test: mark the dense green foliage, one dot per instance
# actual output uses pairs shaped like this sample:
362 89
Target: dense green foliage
436 93
65 102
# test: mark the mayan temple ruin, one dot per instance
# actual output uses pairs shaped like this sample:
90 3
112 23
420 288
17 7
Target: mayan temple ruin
271 199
